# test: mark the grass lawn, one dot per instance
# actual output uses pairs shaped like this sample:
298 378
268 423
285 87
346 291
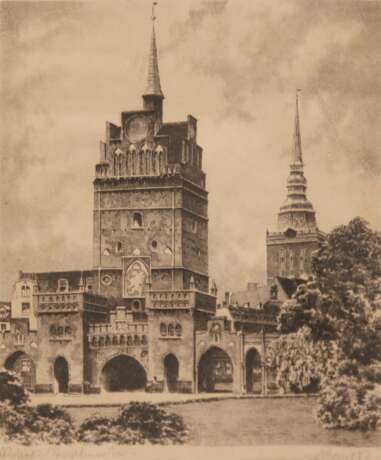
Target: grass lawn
259 422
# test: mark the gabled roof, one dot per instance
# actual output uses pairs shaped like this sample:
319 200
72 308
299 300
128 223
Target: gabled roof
289 285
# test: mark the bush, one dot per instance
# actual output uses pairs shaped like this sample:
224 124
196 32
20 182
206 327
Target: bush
29 425
98 429
137 423
155 424
345 404
11 389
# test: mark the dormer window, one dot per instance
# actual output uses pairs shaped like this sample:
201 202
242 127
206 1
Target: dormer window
290 233
137 220
63 285
25 291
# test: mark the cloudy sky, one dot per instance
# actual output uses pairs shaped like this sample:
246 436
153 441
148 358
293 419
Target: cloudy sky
68 67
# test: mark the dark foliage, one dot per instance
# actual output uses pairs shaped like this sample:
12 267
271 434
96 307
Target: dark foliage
342 307
137 423
345 404
29 425
22 423
155 424
11 390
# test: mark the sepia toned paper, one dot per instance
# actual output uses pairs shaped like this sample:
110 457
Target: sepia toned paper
236 67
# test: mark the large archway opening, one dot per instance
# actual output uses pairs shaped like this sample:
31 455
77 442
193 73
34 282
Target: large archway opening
61 374
123 373
20 363
171 372
215 371
253 371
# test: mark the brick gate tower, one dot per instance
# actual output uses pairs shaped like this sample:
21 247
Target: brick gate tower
289 248
150 240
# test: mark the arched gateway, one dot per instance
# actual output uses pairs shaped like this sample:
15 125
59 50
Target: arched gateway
23 366
253 371
215 371
61 374
171 371
123 373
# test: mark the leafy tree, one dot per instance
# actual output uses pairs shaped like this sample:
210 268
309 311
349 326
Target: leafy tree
340 307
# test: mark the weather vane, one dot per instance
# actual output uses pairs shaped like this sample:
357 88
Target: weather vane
153 10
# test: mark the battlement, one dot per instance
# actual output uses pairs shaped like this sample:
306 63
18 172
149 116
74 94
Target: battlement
181 300
70 302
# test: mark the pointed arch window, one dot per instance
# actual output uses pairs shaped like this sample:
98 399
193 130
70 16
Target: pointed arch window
137 220
163 329
171 330
178 330
154 163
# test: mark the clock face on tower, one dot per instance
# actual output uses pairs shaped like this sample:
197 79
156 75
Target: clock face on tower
137 128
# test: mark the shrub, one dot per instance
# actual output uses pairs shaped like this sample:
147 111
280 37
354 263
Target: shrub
137 423
11 389
29 425
98 429
345 404
155 424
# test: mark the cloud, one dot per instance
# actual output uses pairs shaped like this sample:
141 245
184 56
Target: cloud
68 67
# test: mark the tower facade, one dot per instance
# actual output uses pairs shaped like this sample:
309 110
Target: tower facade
289 249
150 201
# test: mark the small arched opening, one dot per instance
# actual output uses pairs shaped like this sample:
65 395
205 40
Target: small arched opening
171 372
20 363
123 373
253 371
215 371
61 374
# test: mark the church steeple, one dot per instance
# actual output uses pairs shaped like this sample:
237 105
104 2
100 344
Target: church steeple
289 249
297 150
297 212
153 95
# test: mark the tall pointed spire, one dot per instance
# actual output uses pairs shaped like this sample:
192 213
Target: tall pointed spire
297 148
153 87
297 212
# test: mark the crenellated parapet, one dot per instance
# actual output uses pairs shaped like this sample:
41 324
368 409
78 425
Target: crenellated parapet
182 300
121 330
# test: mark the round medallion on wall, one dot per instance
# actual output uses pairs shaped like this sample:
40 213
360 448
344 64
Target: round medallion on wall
144 353
106 280
137 129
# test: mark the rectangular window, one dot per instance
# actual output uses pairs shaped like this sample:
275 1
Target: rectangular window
3 327
63 285
19 339
183 153
302 258
25 307
291 259
281 261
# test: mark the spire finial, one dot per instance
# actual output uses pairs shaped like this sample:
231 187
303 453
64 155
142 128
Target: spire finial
153 87
153 17
297 147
